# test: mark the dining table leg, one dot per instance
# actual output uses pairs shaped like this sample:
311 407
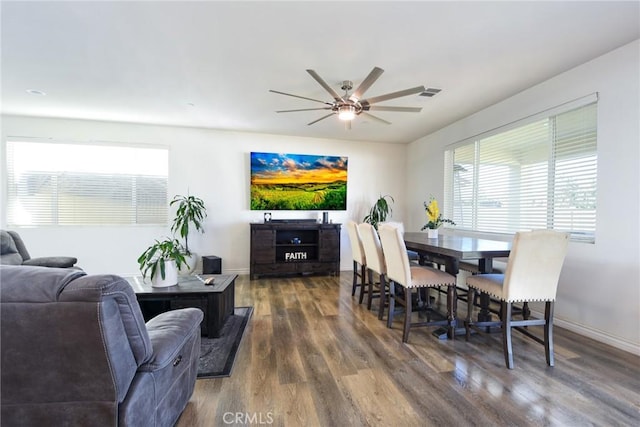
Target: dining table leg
484 315
485 265
452 311
451 266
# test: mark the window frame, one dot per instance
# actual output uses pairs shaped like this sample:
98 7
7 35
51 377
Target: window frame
132 217
553 179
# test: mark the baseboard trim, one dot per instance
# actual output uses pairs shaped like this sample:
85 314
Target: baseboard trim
238 271
596 334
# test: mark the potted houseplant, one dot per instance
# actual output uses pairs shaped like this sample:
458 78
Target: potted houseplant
435 219
190 212
162 260
379 211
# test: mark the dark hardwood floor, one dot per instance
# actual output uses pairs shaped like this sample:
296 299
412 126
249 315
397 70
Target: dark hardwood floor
312 356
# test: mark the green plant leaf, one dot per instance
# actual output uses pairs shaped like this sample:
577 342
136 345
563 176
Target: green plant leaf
153 259
380 211
190 210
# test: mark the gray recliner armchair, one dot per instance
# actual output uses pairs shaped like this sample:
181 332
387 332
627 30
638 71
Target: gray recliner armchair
14 252
76 352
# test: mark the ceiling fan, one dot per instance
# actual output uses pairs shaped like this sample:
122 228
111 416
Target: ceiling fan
348 106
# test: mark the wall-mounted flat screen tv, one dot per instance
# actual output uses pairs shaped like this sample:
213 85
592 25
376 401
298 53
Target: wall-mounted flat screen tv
298 182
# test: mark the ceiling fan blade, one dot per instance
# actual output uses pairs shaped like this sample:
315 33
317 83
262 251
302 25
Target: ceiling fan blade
397 109
393 95
366 83
326 87
303 109
321 118
298 96
371 116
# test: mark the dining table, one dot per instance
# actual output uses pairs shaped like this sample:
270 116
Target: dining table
450 251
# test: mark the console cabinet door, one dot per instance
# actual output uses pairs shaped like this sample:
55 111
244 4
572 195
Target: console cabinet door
263 248
329 244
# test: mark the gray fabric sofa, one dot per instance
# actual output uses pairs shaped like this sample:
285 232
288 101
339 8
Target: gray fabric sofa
13 251
75 351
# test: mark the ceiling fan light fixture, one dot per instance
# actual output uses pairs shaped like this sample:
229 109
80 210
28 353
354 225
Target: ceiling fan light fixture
346 112
348 106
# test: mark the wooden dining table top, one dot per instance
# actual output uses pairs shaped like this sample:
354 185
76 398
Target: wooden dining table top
458 247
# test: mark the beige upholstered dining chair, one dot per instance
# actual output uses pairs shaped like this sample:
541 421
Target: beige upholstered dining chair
375 264
532 274
359 259
409 277
413 256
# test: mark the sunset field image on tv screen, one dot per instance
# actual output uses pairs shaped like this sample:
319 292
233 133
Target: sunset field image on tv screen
298 182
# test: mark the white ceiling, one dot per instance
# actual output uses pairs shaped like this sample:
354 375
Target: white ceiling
145 62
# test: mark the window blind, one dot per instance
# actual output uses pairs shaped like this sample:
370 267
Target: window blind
538 173
51 183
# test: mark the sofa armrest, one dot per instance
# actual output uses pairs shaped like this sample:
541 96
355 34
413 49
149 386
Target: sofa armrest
168 333
52 261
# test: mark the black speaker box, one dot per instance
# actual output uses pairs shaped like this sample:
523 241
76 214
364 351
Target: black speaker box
211 265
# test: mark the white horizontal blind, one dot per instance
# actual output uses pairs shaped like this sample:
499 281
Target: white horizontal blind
538 174
52 183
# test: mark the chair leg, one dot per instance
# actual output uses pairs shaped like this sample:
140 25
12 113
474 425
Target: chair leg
470 298
392 302
355 278
383 297
548 332
363 282
506 334
370 290
407 313
526 312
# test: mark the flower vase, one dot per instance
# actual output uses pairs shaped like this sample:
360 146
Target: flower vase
192 262
170 275
432 233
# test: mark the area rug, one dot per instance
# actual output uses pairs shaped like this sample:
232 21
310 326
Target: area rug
217 355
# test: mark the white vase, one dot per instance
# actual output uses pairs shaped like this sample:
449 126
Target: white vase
192 263
170 275
432 233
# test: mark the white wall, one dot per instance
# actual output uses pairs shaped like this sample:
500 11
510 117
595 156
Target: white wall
213 165
599 290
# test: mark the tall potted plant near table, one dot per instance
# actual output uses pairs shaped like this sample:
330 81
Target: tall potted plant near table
190 214
379 211
162 260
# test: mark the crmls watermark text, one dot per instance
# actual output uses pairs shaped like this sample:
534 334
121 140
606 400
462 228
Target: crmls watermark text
247 418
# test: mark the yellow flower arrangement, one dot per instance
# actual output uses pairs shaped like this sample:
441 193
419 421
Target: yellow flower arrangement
434 216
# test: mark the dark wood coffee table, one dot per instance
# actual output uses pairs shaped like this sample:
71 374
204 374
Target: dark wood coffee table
216 301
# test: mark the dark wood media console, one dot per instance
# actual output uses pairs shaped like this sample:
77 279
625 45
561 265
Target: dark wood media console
279 248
